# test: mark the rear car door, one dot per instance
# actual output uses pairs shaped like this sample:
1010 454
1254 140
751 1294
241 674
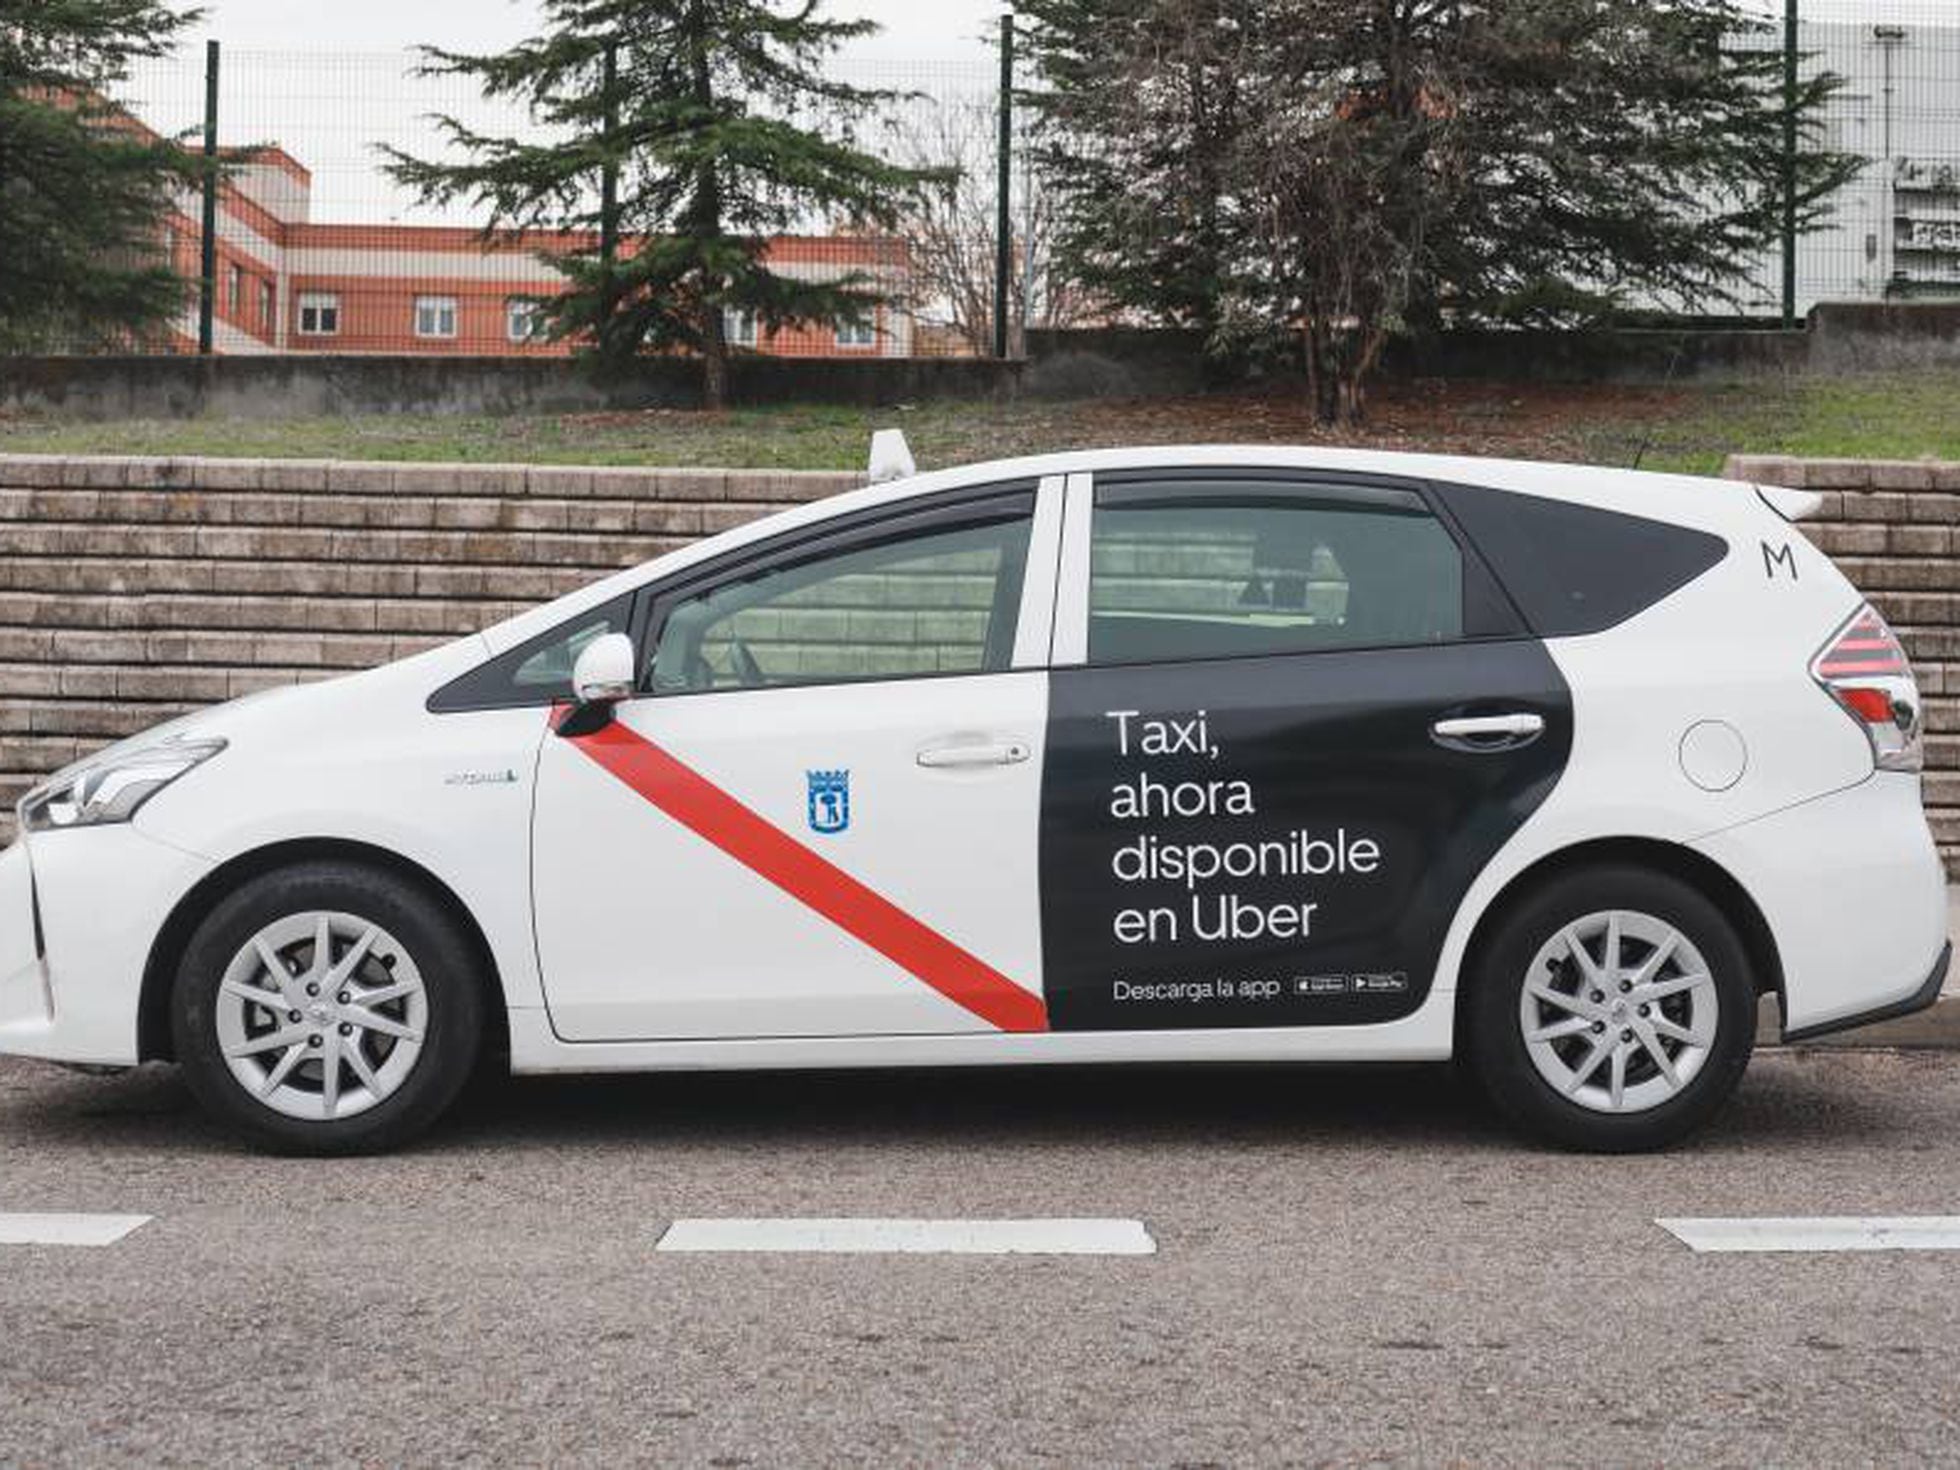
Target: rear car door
1291 718
819 817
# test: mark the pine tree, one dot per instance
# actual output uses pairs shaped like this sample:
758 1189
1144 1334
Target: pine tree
1400 163
683 135
83 188
1141 112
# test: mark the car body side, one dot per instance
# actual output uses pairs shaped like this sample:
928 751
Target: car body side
1832 857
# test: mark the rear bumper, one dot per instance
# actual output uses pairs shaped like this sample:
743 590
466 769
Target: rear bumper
1921 999
1854 894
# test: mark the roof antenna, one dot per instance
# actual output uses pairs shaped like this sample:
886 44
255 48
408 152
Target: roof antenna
1647 440
891 457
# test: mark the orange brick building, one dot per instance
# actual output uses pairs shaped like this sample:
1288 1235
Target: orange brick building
285 284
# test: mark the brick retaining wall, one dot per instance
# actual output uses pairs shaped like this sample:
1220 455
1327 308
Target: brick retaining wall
132 590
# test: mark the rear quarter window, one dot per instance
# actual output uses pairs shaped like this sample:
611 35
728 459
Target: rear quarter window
1575 569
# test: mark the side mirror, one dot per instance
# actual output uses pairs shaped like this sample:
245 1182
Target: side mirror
602 677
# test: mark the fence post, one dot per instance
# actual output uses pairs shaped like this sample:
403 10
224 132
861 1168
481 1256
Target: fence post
609 189
1004 222
207 288
1789 165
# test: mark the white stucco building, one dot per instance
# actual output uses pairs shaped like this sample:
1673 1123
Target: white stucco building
1895 231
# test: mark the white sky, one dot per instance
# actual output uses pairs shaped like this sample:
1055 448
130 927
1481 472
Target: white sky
915 30
327 78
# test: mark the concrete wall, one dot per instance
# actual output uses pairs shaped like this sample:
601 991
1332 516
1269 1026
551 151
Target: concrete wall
132 590
1835 338
313 385
1114 362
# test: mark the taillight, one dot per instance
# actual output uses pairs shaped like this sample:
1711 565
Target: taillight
1866 671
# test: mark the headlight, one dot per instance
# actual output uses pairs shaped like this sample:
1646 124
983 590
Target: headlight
111 790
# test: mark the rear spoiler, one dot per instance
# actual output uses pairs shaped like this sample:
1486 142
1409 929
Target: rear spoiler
1792 505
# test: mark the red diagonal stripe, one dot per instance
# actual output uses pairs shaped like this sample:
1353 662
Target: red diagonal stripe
820 885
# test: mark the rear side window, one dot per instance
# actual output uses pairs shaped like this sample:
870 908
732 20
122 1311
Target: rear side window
1239 570
1574 569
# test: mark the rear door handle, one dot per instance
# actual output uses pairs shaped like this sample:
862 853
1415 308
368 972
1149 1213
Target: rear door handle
1488 732
978 753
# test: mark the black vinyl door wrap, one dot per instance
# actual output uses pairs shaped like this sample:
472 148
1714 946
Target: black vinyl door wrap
1277 841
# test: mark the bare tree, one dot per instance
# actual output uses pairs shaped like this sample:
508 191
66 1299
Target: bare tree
951 230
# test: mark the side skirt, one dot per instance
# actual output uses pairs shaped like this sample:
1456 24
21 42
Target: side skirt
1423 1037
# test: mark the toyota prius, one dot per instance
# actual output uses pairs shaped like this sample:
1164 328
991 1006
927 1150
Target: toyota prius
1200 755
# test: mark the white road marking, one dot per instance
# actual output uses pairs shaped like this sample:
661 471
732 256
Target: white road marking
914 1237
1819 1233
67 1229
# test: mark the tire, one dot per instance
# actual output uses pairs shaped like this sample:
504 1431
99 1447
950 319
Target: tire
1673 1049
398 1010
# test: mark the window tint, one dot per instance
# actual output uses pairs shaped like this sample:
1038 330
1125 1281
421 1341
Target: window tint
943 601
536 672
1266 570
1573 569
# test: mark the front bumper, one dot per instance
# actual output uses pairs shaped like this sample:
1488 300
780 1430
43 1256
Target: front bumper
23 974
79 912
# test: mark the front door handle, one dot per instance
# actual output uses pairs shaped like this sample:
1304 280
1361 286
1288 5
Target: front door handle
978 753
1488 732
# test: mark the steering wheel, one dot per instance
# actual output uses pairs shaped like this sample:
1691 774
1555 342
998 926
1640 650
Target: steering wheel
746 668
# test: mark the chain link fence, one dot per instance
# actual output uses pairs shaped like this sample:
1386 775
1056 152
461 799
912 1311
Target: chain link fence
315 249
1893 234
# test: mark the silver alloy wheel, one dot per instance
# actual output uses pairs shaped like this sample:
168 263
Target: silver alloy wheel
1619 1011
321 1015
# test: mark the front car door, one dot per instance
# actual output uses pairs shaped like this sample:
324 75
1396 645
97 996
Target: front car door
1291 718
820 816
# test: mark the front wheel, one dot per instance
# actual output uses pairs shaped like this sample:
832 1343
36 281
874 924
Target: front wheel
1613 1010
327 1008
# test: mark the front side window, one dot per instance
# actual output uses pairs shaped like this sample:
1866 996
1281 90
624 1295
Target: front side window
537 672
943 600
319 314
435 316
1224 570
862 333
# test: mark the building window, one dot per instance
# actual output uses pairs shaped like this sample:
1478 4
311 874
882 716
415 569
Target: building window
739 327
268 306
862 333
435 316
319 314
234 289
521 320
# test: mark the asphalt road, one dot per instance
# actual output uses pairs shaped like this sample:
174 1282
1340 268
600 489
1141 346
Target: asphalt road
1351 1266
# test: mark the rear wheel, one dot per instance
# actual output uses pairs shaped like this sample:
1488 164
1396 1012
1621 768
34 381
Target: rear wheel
1613 1009
327 1008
